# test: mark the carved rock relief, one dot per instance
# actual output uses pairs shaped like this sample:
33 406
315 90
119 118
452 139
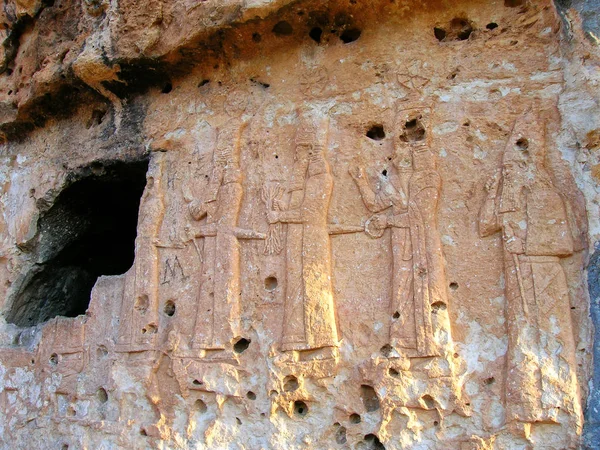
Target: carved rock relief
537 229
295 253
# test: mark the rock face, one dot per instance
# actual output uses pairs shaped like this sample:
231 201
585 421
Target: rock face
299 225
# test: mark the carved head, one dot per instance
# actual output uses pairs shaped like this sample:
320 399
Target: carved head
525 148
306 135
414 127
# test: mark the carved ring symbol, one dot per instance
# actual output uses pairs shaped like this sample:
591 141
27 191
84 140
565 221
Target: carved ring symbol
372 230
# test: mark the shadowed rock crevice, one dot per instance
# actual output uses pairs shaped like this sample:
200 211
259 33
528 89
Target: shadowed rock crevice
89 231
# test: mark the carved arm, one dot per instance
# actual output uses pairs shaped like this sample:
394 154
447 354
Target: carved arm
488 218
374 202
290 216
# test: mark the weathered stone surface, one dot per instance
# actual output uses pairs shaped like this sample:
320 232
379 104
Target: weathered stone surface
275 224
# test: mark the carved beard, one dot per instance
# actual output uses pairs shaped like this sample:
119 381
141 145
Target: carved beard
299 171
511 200
316 164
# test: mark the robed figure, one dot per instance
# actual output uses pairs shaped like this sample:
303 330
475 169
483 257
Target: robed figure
309 315
418 277
525 207
218 315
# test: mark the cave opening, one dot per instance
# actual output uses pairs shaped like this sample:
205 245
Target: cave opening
89 231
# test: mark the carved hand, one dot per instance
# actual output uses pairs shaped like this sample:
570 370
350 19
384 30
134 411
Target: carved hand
273 216
357 173
197 209
380 221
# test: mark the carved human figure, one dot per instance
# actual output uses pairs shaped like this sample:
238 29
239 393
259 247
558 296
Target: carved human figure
526 208
166 380
139 321
309 315
217 319
218 313
418 279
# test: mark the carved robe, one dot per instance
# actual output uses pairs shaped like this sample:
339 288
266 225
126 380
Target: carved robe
426 284
217 319
418 279
541 379
309 316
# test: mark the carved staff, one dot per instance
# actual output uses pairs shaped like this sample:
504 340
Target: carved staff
271 196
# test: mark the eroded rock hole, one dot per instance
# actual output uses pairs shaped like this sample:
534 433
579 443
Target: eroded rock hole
461 28
522 144
102 395
514 3
200 406
492 26
251 395
283 28
376 133
300 408
369 398
151 328
290 383
414 131
438 306
394 373
453 286
428 401
168 87
458 29
350 35
141 303
241 345
340 435
386 350
315 34
89 231
170 308
373 442
270 283
439 33
355 418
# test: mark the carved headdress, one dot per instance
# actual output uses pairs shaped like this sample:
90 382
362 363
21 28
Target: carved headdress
523 156
527 139
414 132
413 125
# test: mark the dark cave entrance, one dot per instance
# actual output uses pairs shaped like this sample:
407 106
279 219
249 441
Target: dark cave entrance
89 231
